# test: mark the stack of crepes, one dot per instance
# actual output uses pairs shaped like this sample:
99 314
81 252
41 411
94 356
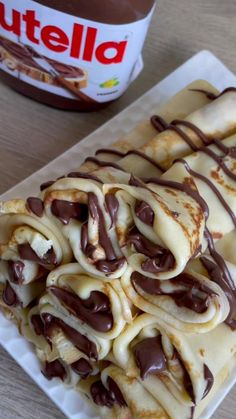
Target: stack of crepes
122 273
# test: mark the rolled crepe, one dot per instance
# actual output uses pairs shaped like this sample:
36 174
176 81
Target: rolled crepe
102 309
15 312
190 302
71 339
176 369
160 223
219 266
198 299
188 100
33 329
115 395
77 204
30 246
82 315
180 138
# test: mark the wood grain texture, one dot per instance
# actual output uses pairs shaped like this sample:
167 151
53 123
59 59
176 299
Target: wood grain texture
32 134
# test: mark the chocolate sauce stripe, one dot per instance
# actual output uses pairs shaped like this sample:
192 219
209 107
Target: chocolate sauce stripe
195 148
211 186
219 259
111 263
102 163
183 188
182 298
79 175
194 128
145 157
161 125
151 359
130 152
95 311
184 136
221 146
213 96
110 151
80 341
84 175
218 159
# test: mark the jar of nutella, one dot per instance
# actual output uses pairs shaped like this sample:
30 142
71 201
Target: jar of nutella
72 54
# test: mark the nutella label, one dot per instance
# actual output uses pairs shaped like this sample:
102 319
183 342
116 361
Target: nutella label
67 55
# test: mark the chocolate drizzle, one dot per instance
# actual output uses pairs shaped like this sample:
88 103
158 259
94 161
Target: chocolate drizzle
161 263
110 151
107 397
9 296
87 248
111 263
145 157
134 181
83 175
122 155
101 163
189 298
96 213
46 185
195 129
37 324
213 96
192 412
82 367
218 272
100 395
219 161
112 206
183 188
187 381
65 210
159 123
81 342
209 380
211 186
94 311
27 253
143 245
149 356
183 298
107 266
75 175
116 393
144 212
15 270
159 258
54 369
36 206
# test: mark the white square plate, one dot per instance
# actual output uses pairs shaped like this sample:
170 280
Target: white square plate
203 65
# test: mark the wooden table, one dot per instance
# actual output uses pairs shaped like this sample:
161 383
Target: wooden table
32 134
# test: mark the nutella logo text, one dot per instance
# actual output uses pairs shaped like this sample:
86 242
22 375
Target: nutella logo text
82 44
